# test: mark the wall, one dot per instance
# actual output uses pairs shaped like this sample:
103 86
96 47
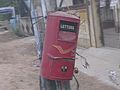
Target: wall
90 31
36 3
65 3
84 38
117 16
95 29
25 26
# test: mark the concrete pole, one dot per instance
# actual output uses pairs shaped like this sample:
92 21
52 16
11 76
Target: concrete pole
46 84
51 5
47 6
96 39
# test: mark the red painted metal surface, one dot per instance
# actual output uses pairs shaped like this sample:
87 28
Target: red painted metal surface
60 43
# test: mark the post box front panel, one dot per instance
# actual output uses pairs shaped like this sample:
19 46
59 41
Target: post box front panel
68 26
60 43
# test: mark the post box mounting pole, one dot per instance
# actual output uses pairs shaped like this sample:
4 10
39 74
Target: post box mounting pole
46 84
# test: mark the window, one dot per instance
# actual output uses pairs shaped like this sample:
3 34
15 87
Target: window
76 2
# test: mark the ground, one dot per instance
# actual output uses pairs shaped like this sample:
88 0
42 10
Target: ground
111 37
17 69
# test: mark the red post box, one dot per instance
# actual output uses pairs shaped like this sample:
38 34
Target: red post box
59 48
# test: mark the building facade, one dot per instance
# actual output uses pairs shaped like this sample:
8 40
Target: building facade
99 20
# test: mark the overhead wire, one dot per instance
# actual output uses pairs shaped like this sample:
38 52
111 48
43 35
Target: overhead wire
86 64
76 82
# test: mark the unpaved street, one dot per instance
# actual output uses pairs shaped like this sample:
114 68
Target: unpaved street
17 71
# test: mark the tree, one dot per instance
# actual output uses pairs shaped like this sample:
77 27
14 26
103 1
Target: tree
4 3
13 3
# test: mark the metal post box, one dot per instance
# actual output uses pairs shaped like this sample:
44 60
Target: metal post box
59 48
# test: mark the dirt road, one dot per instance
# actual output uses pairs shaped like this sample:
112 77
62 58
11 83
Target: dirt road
17 71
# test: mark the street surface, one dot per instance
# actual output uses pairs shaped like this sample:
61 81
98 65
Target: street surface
17 69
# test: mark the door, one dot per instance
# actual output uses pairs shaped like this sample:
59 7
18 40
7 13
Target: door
110 25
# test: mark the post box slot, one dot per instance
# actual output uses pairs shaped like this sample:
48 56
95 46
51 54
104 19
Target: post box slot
57 58
68 26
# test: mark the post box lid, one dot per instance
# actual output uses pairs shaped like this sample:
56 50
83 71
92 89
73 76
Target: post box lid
63 14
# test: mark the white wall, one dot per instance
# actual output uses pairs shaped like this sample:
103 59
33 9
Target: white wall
65 3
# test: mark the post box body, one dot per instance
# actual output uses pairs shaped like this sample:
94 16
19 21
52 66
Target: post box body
59 48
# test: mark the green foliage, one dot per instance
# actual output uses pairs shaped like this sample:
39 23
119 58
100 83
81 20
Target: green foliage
5 3
2 17
5 16
13 3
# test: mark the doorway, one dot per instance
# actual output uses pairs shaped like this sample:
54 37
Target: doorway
110 25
